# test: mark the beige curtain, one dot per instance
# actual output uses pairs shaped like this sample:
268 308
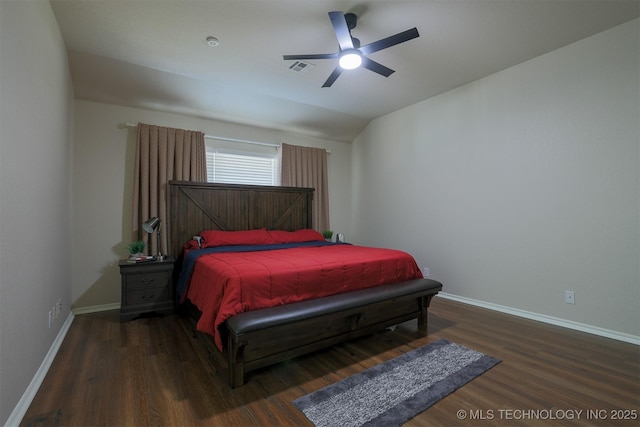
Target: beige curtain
307 167
163 154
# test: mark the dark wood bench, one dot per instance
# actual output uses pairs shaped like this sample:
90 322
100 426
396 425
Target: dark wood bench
263 337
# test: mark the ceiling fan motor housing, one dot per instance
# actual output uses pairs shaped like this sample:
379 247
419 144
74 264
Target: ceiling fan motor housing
352 20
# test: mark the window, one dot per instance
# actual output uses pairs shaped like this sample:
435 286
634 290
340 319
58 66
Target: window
237 167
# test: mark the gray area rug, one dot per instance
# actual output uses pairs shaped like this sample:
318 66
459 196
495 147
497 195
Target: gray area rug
393 392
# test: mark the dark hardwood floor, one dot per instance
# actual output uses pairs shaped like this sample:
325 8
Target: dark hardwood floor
159 371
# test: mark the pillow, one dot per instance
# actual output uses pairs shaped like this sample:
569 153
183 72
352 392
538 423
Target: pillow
193 244
298 236
211 238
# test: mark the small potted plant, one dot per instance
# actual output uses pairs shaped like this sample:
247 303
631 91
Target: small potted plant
136 249
328 235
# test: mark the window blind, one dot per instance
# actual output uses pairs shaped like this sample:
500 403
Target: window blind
241 168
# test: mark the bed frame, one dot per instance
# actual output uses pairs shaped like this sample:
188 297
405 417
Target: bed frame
263 337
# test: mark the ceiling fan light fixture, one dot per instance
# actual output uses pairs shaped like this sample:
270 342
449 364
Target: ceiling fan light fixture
351 54
350 60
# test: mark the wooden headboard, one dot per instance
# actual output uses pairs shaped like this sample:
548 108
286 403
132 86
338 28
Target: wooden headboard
197 206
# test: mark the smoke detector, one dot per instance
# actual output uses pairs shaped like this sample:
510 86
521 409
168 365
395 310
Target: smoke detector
212 41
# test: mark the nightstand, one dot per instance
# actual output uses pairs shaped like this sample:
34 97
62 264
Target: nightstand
146 287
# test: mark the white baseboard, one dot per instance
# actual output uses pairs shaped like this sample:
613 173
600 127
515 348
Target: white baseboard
620 336
95 308
27 397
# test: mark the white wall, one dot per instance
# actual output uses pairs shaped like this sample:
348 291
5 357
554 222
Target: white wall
103 178
36 101
519 186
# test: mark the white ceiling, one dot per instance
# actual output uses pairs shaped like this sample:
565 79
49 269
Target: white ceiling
152 53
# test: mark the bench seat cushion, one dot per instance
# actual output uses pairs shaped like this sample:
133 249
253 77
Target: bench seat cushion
268 317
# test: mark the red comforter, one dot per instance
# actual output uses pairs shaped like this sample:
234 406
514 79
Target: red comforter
225 284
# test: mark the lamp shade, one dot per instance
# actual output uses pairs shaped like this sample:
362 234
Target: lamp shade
151 224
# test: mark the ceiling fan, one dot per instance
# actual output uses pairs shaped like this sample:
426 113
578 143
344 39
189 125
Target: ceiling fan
351 55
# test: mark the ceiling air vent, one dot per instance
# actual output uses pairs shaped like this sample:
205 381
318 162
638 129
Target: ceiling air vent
300 66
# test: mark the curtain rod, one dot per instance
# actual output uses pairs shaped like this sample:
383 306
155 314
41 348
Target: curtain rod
222 138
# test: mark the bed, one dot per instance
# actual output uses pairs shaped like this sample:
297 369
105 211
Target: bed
268 288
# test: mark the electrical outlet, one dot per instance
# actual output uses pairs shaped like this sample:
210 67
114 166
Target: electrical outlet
425 271
569 297
58 307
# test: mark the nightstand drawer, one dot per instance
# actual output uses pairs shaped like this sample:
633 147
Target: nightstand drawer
146 287
141 281
148 295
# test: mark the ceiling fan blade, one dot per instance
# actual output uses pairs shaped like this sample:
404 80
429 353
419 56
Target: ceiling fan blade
341 29
332 78
389 41
376 67
311 56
